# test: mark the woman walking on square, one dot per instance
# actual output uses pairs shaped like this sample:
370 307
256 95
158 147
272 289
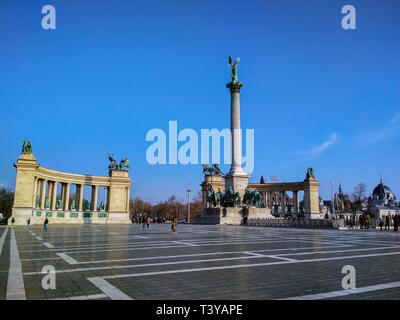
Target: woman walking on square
144 222
173 226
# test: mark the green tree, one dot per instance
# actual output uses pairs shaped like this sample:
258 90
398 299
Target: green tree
6 202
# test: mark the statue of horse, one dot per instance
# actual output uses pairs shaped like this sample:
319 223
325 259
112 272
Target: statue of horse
124 164
236 199
211 195
232 198
216 168
219 197
247 198
113 163
207 169
256 198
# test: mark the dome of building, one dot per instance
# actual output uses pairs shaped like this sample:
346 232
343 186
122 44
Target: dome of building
381 189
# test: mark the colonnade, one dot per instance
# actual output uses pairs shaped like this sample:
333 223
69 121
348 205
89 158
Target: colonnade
47 190
273 198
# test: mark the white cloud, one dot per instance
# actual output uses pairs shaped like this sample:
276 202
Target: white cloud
317 150
390 130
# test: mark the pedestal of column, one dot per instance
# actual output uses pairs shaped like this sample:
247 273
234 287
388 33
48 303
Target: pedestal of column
311 198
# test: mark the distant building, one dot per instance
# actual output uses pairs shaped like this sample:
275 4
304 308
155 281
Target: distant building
383 202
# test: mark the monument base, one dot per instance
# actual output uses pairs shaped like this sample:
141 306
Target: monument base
312 215
231 215
38 216
238 182
258 213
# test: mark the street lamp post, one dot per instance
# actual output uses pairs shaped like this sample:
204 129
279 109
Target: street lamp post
188 191
333 199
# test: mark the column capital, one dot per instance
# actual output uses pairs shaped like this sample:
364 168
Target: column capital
234 86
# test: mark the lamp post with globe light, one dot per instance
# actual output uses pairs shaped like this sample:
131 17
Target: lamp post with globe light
188 192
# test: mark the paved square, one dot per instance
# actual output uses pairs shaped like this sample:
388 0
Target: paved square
200 262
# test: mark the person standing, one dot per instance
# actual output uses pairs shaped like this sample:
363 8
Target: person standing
396 222
144 222
173 226
12 221
368 218
379 221
148 222
387 223
46 223
28 222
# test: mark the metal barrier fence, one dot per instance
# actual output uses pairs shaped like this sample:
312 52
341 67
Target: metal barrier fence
298 223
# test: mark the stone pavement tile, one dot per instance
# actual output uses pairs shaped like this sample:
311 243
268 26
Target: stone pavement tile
264 282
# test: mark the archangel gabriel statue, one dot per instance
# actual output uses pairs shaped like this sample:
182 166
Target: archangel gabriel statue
234 69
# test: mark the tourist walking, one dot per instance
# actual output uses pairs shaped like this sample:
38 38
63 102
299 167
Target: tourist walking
396 222
28 222
46 223
173 226
12 221
368 221
148 222
379 220
387 223
144 222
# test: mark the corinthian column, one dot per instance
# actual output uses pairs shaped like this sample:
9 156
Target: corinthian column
236 178
236 132
43 197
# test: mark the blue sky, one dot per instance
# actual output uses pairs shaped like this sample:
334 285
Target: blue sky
315 94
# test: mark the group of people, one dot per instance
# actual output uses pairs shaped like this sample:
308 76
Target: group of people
365 221
145 221
386 222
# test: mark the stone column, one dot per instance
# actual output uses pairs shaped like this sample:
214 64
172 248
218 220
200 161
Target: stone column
38 191
270 199
49 193
80 200
296 201
34 192
66 203
108 205
236 178
127 199
43 196
54 196
95 190
62 195
236 133
283 205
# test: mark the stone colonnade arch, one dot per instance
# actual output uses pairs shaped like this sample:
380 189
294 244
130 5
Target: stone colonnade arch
36 195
